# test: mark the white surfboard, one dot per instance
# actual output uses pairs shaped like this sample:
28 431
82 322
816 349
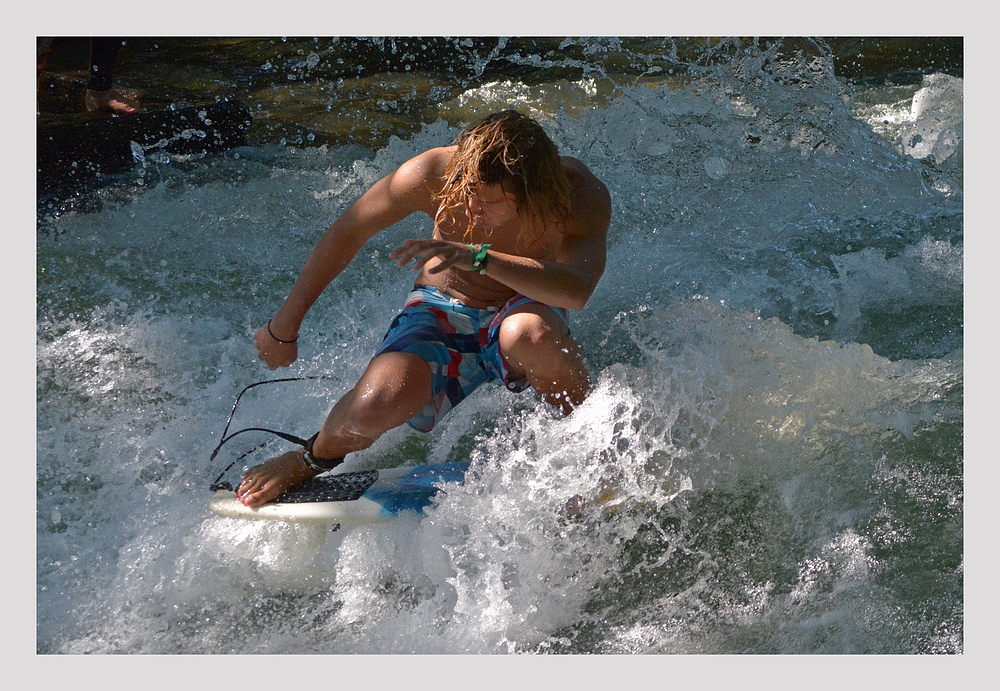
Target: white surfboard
347 499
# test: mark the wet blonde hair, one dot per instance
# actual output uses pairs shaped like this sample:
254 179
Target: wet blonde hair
511 150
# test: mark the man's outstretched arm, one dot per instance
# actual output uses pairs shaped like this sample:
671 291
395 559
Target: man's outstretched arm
388 201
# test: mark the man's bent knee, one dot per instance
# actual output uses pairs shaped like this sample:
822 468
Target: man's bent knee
394 388
533 333
537 346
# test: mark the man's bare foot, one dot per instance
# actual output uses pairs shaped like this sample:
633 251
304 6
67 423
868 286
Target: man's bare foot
110 101
264 482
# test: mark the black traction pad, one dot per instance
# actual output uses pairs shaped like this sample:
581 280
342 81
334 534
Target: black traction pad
342 487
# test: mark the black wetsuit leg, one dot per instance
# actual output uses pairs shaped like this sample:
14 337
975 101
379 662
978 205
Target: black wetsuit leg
103 56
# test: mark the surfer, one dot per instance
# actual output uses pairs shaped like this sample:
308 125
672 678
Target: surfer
519 238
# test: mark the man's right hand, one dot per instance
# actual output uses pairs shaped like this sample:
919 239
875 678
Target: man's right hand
273 352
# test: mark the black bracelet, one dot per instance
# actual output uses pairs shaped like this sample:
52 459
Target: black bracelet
319 465
275 337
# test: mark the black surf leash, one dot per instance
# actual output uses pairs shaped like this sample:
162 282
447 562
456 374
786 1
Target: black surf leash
219 482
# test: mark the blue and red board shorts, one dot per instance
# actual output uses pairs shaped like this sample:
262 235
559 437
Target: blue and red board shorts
460 343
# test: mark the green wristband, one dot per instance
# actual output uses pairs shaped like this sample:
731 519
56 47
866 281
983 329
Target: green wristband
479 258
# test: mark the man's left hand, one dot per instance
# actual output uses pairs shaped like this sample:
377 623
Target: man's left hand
448 253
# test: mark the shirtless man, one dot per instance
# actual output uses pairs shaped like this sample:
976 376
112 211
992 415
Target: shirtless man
519 237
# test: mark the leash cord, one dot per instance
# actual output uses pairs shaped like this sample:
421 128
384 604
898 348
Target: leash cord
219 483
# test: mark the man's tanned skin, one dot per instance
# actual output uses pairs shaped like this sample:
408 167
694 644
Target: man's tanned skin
560 267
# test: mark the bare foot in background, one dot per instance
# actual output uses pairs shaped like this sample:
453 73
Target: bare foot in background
110 101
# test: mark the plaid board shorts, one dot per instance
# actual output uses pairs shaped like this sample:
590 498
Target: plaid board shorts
460 343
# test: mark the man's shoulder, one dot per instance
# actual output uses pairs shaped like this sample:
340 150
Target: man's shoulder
591 199
433 161
580 176
583 182
427 168
421 178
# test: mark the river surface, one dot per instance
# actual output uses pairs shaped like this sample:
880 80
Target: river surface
777 351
